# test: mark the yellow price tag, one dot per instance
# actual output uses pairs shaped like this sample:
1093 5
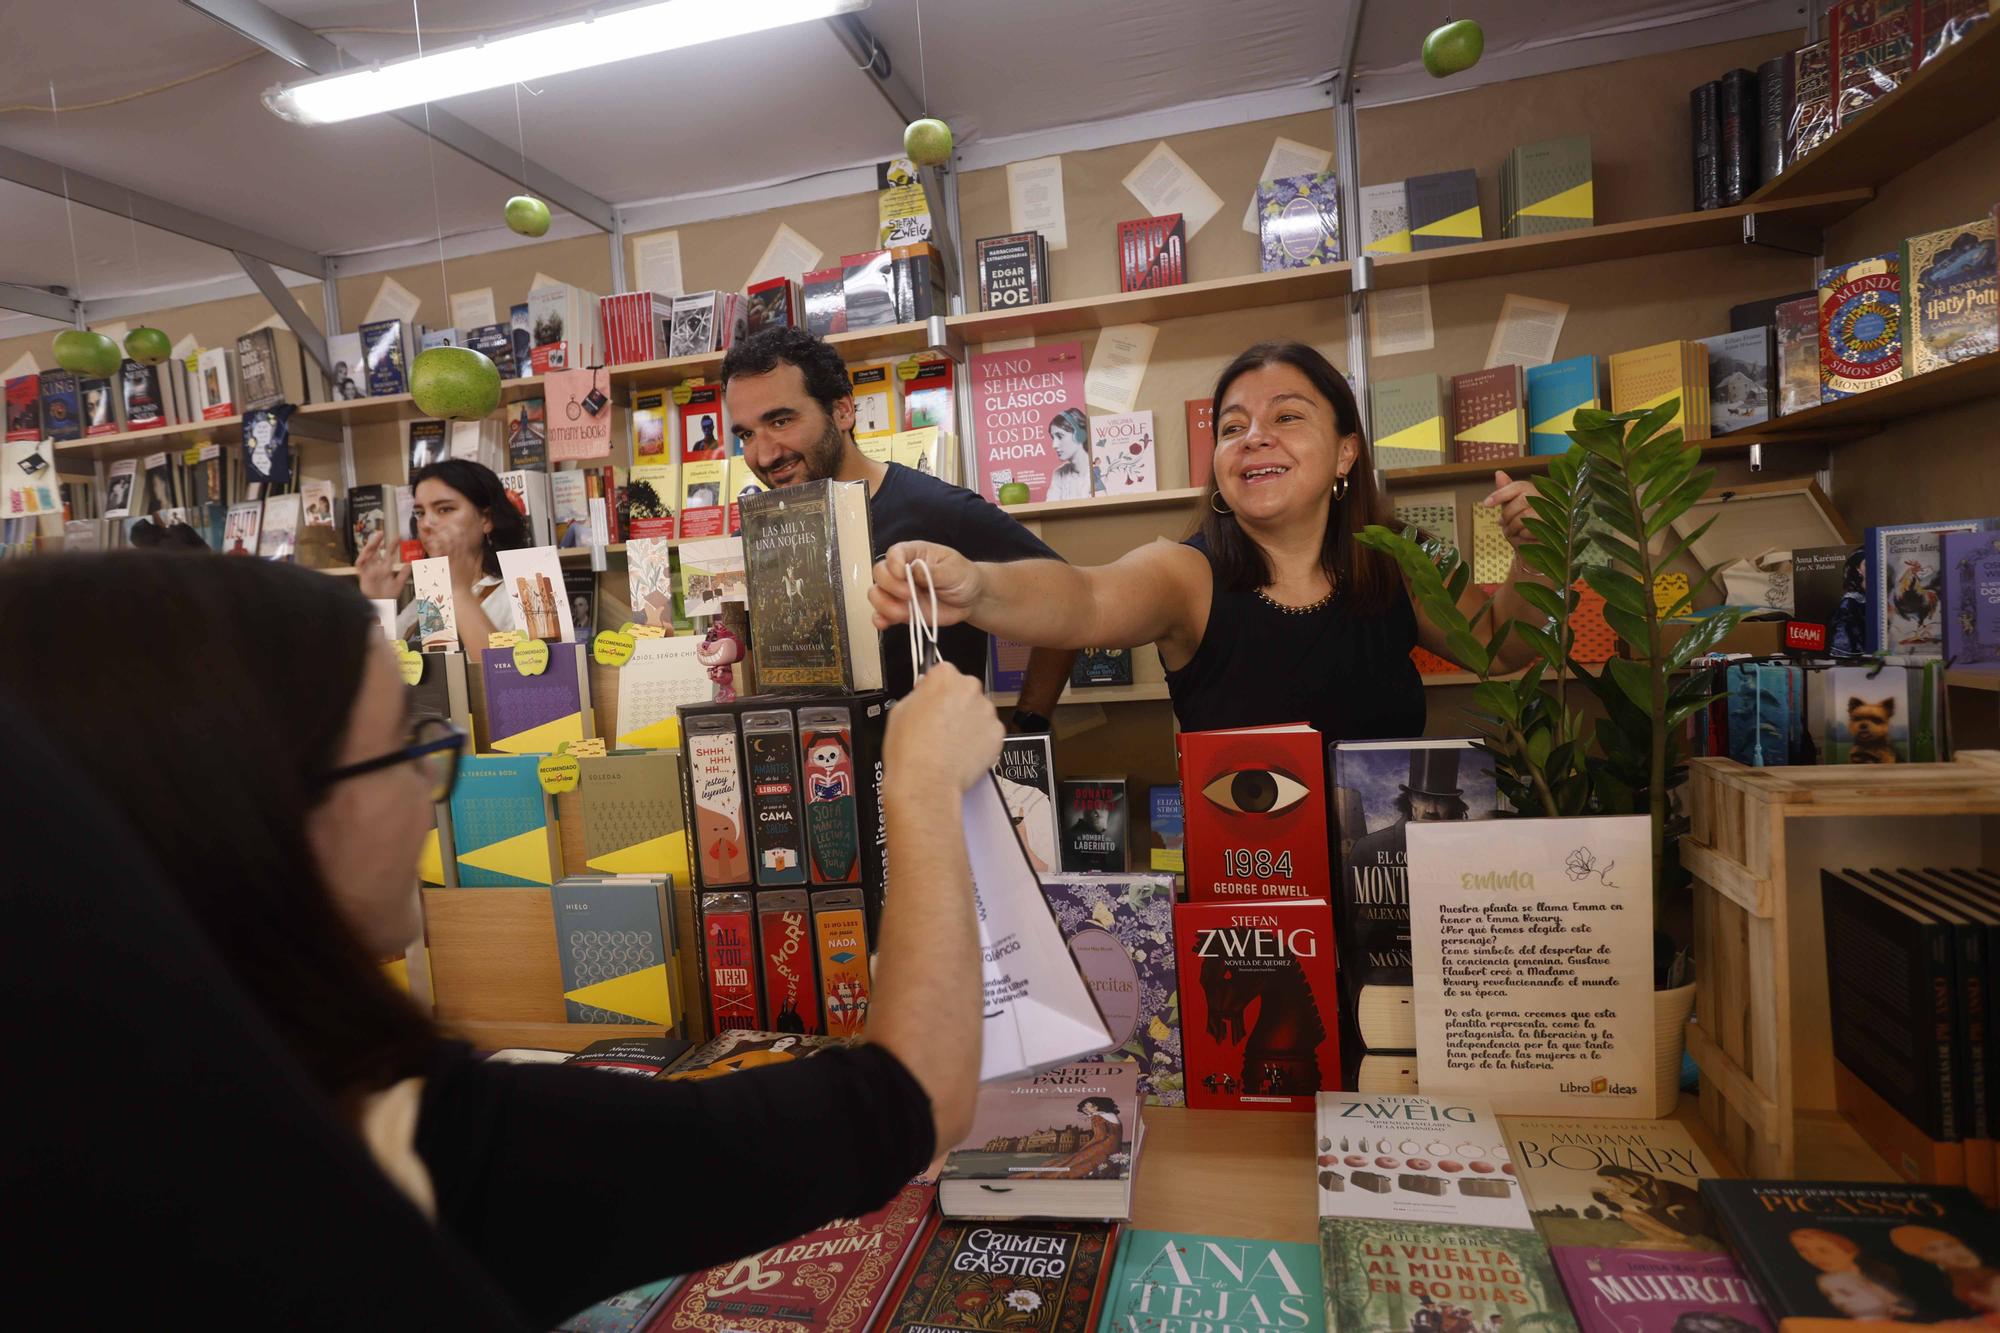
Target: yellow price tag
684 393
505 638
191 456
409 663
648 632
612 648
908 368
531 658
558 773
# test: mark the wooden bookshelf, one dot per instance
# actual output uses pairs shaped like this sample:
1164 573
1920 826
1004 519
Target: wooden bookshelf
1722 446
1948 387
1216 296
1938 105
1973 678
1045 509
1613 240
152 439
1144 691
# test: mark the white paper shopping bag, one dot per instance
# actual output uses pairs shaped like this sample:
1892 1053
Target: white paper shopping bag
1038 1010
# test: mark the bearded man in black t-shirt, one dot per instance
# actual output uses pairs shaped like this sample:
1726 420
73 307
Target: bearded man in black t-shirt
791 412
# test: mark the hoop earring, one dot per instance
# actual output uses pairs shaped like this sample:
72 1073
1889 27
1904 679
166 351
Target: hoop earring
1340 487
1215 504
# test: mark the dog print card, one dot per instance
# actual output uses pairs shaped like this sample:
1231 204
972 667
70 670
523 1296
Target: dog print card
1868 715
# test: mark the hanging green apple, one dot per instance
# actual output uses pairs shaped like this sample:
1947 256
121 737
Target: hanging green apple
82 352
455 383
148 346
927 142
1454 48
528 215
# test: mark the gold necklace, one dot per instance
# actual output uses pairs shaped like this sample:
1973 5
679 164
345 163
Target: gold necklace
1277 605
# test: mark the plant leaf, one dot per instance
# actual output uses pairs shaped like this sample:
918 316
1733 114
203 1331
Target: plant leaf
1629 627
1635 680
1619 589
1543 598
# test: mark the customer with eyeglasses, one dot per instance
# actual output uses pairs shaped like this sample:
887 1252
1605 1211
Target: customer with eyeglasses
258 738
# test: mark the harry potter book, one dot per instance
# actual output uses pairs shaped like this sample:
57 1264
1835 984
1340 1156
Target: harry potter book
616 953
1860 326
1894 1255
1256 813
1413 1275
1486 419
808 564
832 1280
500 824
1379 788
1061 1143
1094 824
1163 1278
1277 956
1951 298
1120 930
1406 1158
1025 1277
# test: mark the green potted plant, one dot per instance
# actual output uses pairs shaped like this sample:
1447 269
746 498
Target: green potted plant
1604 514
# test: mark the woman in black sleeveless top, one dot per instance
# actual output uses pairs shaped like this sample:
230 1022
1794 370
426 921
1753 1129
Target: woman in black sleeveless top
1272 613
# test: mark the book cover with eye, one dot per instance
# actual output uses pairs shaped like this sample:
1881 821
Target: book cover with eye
1260 1013
1256 813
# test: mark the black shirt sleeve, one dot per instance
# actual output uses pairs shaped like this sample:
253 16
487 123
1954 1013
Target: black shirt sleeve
985 532
571 1185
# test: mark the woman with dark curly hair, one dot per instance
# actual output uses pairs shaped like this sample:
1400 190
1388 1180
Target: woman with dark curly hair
464 513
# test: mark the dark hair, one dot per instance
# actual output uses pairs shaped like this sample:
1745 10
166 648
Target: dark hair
1366 581
764 351
481 486
211 751
1075 422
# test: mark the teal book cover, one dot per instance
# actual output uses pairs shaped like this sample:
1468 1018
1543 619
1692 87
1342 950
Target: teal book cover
500 823
1177 1282
1555 392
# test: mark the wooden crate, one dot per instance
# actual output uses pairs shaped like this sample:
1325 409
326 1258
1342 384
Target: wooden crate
1757 841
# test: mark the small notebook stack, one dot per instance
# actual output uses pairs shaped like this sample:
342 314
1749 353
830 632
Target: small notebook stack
1443 208
1546 187
1487 423
1645 377
1409 421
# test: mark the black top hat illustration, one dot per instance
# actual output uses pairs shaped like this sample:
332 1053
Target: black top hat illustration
1434 773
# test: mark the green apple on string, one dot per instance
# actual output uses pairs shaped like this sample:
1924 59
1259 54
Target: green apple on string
527 215
927 142
455 383
1453 48
83 352
148 346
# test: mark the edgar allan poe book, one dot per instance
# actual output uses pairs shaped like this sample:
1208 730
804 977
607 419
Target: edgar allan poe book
1428 1276
1005 1277
832 1280
1275 958
1821 1251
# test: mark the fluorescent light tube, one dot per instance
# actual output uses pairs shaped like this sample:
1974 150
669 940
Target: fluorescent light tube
530 54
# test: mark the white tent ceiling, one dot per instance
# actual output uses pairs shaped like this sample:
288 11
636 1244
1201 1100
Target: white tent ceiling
749 112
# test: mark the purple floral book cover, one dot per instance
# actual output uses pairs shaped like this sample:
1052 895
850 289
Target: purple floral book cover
1298 221
1658 1291
1120 930
1972 597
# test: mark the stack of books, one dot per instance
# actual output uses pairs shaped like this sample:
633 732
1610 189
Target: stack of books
1409 421
1546 187
1488 424
1645 377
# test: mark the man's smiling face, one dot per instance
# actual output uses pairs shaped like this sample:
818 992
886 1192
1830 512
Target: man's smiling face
787 437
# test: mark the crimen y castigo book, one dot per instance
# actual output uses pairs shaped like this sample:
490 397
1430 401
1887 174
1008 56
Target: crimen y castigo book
1020 1277
1061 1143
1416 1159
1256 813
832 1280
1822 1254
1260 1013
1180 1282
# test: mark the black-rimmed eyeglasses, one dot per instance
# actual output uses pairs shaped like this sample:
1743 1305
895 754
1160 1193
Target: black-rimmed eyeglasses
434 748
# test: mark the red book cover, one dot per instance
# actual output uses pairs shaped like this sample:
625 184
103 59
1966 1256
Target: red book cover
629 328
549 356
1944 23
1005 1277
1276 959
791 983
1201 440
1152 252
1030 420
1487 422
833 1280
927 396
24 408
1255 803
730 934
1873 44
701 424
773 305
